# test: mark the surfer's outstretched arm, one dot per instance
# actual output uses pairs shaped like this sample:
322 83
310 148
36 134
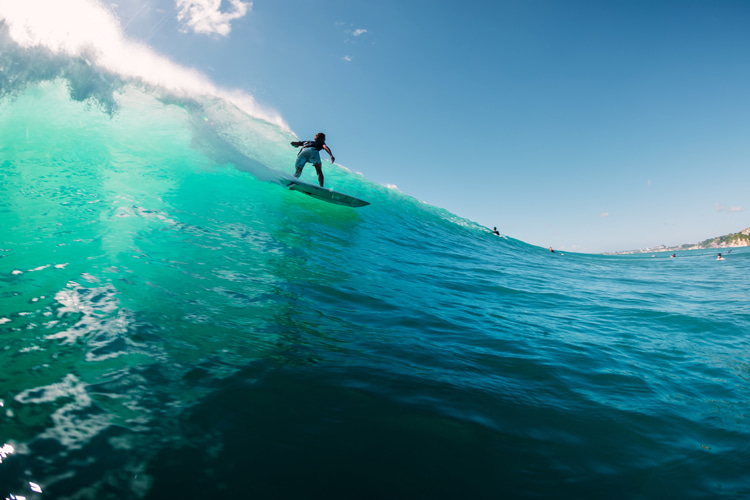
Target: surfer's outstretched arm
328 150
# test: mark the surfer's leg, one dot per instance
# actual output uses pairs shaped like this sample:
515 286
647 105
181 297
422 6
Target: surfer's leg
300 164
319 168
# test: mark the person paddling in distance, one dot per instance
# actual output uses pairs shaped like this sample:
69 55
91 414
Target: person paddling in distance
310 153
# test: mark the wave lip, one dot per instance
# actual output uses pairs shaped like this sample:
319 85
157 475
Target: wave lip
41 32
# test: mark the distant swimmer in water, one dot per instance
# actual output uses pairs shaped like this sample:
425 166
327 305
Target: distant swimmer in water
550 249
673 255
719 257
495 231
310 153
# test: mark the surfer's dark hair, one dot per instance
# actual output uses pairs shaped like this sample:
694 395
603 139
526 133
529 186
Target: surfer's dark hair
320 135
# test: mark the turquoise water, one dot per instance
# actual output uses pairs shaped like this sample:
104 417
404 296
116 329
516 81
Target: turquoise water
176 324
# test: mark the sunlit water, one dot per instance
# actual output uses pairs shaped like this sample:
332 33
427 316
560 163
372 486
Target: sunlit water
176 324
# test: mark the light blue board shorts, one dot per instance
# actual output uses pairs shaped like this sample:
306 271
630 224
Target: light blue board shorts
307 155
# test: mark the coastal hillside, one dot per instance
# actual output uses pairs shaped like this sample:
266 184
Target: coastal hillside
741 239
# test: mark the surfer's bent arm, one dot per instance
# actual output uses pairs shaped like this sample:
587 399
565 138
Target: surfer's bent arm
328 150
296 144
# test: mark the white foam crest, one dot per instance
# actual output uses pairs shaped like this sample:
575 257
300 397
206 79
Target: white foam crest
84 28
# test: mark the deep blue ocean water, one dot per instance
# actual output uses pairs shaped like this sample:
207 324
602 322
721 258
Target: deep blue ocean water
176 324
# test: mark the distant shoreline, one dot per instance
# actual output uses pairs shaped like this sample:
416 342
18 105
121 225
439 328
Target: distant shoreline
733 240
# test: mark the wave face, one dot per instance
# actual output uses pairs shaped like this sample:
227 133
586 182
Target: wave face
176 324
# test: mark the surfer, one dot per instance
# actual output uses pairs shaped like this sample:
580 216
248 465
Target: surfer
550 249
310 153
495 231
719 257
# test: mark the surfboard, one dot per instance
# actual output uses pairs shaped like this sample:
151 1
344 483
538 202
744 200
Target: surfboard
326 194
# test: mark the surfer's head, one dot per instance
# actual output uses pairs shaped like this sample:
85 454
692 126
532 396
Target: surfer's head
320 137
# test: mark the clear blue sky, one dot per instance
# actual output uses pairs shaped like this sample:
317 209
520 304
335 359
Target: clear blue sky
585 125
